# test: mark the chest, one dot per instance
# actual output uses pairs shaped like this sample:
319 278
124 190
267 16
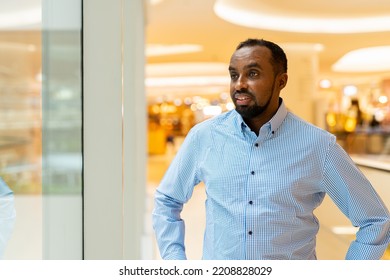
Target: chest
272 167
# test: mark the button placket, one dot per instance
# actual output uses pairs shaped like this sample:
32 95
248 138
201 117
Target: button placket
255 148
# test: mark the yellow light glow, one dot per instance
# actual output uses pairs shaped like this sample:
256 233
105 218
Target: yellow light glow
331 120
350 124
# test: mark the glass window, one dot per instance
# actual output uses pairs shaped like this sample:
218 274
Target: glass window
40 129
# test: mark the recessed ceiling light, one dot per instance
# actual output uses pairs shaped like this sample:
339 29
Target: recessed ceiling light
374 59
271 19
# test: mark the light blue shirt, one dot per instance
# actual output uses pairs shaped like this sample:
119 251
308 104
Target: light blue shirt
262 190
7 215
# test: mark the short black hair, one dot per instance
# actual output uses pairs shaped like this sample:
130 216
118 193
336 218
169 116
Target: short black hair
278 55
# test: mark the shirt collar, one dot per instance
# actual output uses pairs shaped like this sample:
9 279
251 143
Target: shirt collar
279 117
273 124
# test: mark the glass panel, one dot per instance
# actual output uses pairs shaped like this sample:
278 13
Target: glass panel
40 129
62 129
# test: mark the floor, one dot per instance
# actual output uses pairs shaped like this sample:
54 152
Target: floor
333 238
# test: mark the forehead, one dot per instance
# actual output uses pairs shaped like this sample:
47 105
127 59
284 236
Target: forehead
250 55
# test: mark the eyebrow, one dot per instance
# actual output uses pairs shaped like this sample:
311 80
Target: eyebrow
251 65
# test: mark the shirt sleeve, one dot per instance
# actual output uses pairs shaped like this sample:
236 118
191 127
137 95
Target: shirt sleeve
7 215
175 189
358 200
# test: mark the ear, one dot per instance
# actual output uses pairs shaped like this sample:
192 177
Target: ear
283 80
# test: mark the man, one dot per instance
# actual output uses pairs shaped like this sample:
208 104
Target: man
7 215
265 170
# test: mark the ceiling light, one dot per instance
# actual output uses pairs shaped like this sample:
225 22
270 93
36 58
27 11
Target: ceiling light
155 2
373 59
265 18
350 90
303 47
186 69
187 81
160 50
383 99
187 74
325 83
20 18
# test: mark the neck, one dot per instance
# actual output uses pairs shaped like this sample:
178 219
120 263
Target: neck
257 122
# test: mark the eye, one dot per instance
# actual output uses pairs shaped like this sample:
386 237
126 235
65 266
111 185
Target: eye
233 76
253 74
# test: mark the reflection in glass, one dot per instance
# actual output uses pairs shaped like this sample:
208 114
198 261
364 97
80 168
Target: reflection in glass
21 127
62 130
7 215
40 128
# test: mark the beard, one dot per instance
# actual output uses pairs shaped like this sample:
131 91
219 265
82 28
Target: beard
252 111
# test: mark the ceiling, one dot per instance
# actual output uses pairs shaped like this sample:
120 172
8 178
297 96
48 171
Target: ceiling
172 22
213 38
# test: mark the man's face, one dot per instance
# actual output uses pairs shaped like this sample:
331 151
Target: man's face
254 86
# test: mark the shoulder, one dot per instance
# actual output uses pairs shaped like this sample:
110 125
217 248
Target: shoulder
226 119
308 130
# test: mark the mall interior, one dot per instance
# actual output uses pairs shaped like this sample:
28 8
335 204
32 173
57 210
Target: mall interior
97 97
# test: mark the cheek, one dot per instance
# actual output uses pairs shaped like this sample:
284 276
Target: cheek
232 88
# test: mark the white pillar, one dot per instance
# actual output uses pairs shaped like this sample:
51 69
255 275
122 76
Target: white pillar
301 91
134 132
114 129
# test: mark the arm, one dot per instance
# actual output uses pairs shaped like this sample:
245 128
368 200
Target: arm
7 215
358 200
174 190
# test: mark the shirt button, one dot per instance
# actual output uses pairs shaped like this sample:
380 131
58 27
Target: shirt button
251 202
257 144
253 172
250 232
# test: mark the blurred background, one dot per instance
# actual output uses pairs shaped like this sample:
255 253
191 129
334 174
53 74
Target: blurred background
339 79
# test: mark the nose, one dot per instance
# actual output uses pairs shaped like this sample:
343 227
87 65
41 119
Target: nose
240 83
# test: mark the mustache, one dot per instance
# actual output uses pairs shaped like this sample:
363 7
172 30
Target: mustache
243 91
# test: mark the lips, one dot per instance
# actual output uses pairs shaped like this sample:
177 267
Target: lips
242 99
